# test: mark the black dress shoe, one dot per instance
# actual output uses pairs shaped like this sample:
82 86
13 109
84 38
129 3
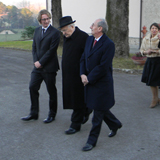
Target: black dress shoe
49 119
71 131
114 131
30 117
87 147
85 119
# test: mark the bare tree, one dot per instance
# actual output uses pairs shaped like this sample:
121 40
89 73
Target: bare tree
24 4
56 11
117 17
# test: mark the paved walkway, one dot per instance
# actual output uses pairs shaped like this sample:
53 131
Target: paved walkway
138 139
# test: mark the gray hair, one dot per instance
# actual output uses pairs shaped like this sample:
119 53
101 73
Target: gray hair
103 23
72 24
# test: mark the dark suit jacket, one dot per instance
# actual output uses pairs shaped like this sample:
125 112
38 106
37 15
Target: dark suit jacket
96 63
44 49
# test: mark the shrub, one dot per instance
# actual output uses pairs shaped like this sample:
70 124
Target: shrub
28 32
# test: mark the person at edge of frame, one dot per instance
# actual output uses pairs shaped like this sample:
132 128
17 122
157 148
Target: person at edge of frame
151 70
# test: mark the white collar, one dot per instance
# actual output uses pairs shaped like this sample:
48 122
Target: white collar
46 28
97 39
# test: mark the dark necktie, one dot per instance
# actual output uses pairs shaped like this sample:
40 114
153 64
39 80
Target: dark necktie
43 30
95 41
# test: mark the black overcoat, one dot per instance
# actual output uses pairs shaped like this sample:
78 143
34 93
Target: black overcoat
73 90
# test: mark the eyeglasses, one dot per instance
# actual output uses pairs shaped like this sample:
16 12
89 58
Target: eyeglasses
45 19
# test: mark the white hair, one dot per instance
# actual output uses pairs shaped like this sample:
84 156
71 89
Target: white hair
103 23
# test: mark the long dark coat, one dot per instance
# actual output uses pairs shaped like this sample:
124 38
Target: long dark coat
73 90
96 63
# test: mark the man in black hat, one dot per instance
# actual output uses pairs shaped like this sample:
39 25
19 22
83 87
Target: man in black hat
73 90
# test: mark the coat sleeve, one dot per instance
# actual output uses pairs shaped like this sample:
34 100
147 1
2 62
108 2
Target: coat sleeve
82 60
104 65
52 50
82 64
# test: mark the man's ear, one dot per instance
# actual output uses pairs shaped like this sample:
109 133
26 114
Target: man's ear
72 27
100 29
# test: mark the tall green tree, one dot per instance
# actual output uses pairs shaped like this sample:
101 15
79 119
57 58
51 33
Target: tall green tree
117 17
26 17
13 12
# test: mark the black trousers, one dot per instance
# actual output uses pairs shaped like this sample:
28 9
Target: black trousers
77 118
98 117
34 86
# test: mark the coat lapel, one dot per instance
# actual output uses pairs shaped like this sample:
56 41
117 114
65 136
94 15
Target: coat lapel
96 47
46 33
39 33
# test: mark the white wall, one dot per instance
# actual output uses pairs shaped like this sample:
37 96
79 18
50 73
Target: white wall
85 12
151 13
134 18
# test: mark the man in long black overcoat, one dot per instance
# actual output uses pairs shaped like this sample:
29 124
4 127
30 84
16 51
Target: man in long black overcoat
73 90
44 50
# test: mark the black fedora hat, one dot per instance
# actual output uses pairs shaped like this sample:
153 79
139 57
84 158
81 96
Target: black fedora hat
64 21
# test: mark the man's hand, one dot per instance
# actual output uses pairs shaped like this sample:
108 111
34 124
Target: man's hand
37 64
84 79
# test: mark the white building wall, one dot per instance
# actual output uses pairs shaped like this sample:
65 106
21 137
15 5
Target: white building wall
86 11
134 18
150 12
49 5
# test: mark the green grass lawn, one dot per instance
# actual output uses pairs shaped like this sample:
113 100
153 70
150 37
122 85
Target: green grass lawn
126 63
26 45
123 63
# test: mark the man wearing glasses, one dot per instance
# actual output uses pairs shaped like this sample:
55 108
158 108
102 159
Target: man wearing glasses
44 50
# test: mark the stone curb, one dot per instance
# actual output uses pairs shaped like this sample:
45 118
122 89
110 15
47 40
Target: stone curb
15 48
129 71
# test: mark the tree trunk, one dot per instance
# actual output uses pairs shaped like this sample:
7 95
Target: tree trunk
56 11
117 17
